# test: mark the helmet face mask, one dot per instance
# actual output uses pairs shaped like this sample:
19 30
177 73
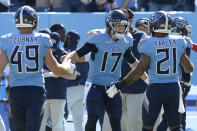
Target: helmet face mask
26 16
114 22
160 22
119 29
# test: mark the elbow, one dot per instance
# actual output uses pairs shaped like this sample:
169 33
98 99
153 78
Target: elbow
191 68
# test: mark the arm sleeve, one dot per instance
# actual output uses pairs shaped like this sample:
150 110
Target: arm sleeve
129 57
88 47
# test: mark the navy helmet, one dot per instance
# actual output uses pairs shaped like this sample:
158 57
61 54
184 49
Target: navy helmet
116 17
26 16
160 22
142 21
73 36
55 38
181 26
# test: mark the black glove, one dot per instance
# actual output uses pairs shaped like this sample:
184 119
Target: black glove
185 88
120 84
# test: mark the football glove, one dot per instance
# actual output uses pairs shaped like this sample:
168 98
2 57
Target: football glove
115 88
112 91
71 67
185 87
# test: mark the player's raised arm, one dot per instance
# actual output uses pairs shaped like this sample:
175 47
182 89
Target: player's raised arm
186 63
4 61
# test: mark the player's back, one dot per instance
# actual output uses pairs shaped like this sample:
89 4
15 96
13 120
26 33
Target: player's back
26 54
105 68
165 54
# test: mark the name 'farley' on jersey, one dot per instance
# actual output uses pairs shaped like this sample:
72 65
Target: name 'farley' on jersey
107 63
165 54
26 54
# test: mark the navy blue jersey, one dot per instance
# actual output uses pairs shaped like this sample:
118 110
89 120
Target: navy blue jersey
165 54
106 57
56 87
139 86
26 54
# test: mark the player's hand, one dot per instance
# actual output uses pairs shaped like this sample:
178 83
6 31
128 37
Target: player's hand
70 76
115 88
71 67
185 87
112 91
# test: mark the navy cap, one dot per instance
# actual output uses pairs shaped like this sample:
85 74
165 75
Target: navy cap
55 38
142 21
45 30
73 36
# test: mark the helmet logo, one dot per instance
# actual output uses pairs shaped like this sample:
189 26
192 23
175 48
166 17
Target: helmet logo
155 17
181 23
108 17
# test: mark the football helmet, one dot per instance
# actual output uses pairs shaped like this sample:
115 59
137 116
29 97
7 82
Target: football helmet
142 21
181 26
160 22
117 17
26 16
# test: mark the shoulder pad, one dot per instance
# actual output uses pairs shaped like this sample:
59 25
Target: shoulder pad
142 42
176 36
95 32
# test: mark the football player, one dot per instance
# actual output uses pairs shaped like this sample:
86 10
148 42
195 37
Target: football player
161 55
181 27
26 53
107 52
